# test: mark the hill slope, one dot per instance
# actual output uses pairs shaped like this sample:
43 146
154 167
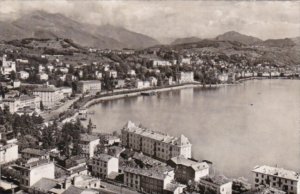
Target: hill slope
40 24
235 36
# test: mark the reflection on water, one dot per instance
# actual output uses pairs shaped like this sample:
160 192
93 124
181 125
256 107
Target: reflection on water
236 127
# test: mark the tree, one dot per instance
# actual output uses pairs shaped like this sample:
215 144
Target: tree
42 106
90 127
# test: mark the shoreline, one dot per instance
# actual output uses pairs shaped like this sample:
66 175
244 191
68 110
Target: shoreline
137 92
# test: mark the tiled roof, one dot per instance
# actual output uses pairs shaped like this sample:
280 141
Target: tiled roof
45 184
103 157
197 166
278 172
88 138
159 172
34 151
131 127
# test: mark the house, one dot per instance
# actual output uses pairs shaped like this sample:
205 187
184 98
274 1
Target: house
76 190
104 165
43 76
188 170
218 184
120 83
174 188
155 144
285 180
153 81
45 186
154 180
66 91
223 77
16 83
29 153
131 72
113 74
185 77
142 84
8 151
23 75
88 144
161 63
32 172
7 66
89 86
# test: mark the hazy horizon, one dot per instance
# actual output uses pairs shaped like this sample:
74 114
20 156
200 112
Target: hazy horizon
167 20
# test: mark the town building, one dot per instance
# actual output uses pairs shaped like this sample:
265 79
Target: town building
153 81
89 86
113 74
29 153
88 144
43 76
152 181
23 75
120 83
7 66
160 63
50 95
285 180
103 165
185 77
187 170
218 185
34 171
155 144
24 101
8 151
66 91
142 84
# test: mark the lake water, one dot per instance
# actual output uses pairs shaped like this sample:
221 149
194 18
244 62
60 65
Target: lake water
236 127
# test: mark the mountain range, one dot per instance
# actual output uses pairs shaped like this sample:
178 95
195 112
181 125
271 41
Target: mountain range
40 24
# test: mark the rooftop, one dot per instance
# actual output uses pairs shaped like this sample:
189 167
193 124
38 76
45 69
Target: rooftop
34 151
45 184
279 172
103 157
88 138
158 172
197 166
131 127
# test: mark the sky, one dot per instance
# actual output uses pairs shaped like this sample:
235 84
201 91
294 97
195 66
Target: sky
174 19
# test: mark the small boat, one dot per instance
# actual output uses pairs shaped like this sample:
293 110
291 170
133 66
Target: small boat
151 93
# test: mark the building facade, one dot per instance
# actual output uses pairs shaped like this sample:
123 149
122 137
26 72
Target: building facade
155 144
91 86
50 96
88 144
285 180
185 77
152 181
188 170
103 165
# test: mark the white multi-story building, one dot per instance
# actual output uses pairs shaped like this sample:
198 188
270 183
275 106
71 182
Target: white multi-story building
103 165
23 75
155 144
49 95
34 171
156 63
88 144
7 66
14 104
43 76
9 151
142 84
113 74
154 180
91 86
185 77
285 180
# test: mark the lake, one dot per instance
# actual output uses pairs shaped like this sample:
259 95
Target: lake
236 127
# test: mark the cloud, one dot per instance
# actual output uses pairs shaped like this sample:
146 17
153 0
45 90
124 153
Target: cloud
276 19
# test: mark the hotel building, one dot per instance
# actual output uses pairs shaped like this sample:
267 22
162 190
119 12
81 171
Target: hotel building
49 95
155 144
91 86
285 180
